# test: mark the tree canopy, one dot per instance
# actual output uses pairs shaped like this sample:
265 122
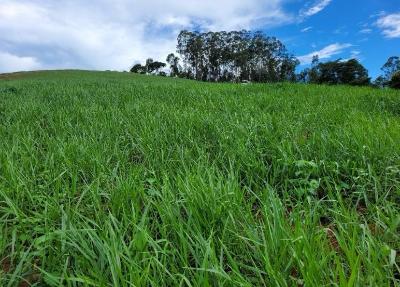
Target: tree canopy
235 56
174 65
139 69
349 72
391 67
151 67
395 81
239 56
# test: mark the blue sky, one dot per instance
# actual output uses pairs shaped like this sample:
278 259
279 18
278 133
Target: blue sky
355 26
114 34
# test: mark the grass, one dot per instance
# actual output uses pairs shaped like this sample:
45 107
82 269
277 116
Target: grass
114 179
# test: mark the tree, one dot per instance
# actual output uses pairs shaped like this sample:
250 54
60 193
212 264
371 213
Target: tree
349 72
173 62
328 73
235 56
391 66
138 69
380 82
389 69
148 64
395 81
353 73
303 76
151 67
155 67
314 75
190 48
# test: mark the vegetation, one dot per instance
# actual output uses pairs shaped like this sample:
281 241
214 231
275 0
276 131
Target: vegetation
395 81
175 67
114 179
349 72
391 67
244 56
235 56
151 67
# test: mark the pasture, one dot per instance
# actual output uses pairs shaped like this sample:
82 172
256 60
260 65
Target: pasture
114 179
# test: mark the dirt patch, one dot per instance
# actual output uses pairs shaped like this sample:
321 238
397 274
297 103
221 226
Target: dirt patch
5 265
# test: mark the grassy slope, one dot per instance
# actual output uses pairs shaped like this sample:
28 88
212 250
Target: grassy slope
112 179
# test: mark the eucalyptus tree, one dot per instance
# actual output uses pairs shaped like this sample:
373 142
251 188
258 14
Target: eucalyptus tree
174 65
235 56
391 67
151 67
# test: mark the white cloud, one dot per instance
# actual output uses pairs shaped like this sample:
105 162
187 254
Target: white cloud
317 7
324 53
366 31
390 25
10 62
306 29
112 34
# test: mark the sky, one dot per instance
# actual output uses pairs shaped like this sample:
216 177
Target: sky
115 34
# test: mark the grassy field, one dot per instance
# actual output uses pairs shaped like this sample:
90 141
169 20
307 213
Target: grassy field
114 179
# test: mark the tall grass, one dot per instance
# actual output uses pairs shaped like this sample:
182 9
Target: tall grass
109 179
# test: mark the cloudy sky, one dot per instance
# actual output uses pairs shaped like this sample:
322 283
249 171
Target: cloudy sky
114 34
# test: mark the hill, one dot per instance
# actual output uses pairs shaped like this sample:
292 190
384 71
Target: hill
114 179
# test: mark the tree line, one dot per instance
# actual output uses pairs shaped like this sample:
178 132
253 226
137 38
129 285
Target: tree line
244 56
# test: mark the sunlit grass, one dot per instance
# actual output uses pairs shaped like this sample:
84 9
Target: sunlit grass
113 179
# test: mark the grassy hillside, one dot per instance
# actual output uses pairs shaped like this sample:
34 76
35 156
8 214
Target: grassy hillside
114 179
